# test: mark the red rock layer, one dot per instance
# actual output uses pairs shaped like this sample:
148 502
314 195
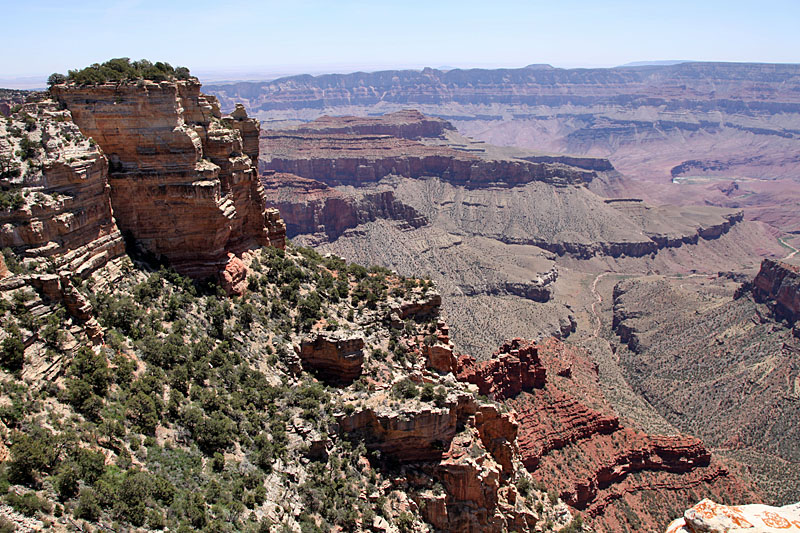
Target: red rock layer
779 283
572 441
183 181
514 368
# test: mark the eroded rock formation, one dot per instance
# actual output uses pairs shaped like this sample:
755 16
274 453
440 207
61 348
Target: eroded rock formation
408 124
335 358
710 517
571 440
311 207
779 283
183 177
361 158
64 215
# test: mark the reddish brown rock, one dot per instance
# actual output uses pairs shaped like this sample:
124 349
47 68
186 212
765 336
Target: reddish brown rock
779 283
3 268
514 368
572 441
233 277
183 181
468 448
332 357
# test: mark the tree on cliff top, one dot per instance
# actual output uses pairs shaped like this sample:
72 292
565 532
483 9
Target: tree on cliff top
121 69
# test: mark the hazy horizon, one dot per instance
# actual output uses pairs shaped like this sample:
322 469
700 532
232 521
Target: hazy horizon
243 40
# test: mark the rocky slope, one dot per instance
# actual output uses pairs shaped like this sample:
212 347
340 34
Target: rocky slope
491 247
742 360
183 177
725 132
570 439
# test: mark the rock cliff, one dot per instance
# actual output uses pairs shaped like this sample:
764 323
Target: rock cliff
361 158
311 207
407 124
59 213
183 177
571 440
779 284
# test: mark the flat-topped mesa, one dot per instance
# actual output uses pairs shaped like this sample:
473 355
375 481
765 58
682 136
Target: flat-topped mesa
408 124
183 177
779 284
345 151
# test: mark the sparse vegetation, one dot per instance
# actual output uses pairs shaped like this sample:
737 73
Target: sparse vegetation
120 70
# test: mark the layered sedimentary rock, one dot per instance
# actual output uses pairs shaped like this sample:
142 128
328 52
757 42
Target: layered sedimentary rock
513 368
335 358
360 158
64 215
710 517
408 124
311 207
468 447
688 131
183 179
779 283
743 359
571 440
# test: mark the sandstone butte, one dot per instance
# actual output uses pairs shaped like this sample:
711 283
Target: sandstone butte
183 178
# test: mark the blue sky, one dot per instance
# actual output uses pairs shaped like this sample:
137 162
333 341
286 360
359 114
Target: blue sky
219 39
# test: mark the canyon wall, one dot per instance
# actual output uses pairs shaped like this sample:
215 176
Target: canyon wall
571 440
779 283
63 216
357 159
183 177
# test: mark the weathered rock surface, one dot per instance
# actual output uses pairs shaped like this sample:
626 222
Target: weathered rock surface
513 368
779 283
360 158
335 358
467 447
708 516
408 124
311 207
571 440
65 217
183 181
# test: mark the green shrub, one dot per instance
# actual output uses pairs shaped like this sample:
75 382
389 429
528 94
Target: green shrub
28 504
12 354
405 388
122 69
